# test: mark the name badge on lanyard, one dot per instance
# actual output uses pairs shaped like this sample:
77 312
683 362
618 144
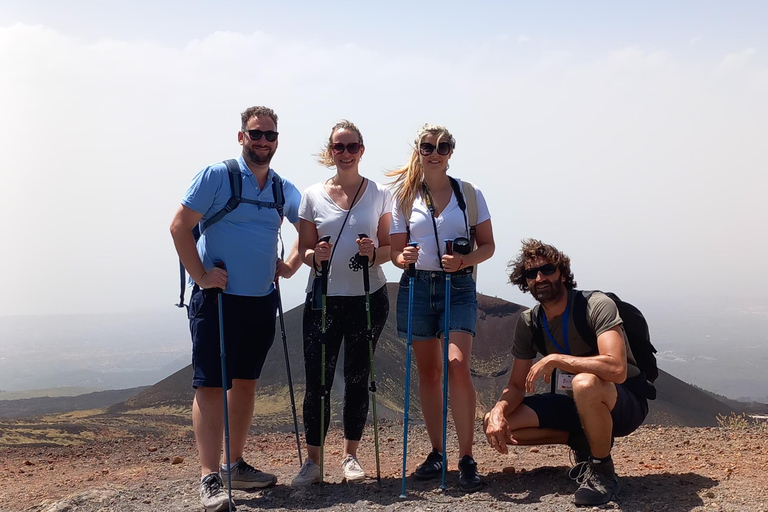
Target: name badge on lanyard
564 381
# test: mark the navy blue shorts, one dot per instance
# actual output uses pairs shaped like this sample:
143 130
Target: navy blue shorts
429 304
559 411
249 330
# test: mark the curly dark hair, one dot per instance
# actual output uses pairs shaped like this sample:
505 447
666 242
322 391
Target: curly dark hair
533 249
256 112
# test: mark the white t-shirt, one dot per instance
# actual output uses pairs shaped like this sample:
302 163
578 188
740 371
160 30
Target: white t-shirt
450 225
345 278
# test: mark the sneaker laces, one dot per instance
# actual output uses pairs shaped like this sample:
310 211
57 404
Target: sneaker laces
351 460
581 472
305 468
212 485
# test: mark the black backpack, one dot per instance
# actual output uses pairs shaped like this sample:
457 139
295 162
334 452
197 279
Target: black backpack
635 327
236 187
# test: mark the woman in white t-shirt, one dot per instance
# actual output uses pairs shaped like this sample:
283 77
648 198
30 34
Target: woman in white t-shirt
343 207
428 211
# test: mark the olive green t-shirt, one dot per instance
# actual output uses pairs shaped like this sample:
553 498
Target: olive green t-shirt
602 316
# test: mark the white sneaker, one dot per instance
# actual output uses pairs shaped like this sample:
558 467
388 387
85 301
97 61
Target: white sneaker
353 471
308 474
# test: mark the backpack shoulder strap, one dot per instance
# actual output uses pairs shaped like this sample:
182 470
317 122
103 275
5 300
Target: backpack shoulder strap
236 188
470 197
277 194
579 315
538 330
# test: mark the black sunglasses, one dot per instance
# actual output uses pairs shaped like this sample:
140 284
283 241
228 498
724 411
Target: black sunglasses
426 149
352 148
270 135
547 270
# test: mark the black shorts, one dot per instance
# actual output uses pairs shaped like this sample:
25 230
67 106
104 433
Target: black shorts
559 411
249 330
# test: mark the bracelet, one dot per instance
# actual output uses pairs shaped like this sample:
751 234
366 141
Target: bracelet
201 277
373 260
314 263
461 261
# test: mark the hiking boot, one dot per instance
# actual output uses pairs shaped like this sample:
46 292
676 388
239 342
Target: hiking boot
308 474
353 471
469 480
431 467
598 482
213 497
245 476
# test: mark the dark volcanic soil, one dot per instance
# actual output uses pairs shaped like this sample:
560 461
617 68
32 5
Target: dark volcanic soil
673 469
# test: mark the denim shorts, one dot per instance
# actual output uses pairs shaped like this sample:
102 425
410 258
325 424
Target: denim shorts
429 304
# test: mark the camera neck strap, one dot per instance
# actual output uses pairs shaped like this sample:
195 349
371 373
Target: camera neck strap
429 201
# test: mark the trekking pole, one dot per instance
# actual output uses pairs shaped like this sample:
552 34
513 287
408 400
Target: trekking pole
288 369
446 341
409 342
223 354
324 292
372 388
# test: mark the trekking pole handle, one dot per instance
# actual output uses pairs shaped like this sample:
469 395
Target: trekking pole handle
364 262
324 266
412 266
219 264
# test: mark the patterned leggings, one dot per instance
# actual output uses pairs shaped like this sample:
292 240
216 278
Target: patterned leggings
346 321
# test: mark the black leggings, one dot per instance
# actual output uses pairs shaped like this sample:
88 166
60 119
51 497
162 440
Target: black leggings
345 320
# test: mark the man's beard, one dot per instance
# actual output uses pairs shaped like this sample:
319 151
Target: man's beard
549 292
258 159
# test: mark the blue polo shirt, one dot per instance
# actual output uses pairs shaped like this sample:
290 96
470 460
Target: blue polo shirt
246 238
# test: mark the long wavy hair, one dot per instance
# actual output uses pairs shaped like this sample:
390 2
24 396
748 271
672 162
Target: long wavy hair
532 250
325 157
407 179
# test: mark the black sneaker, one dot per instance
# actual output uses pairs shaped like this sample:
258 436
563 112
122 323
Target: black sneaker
469 480
598 482
431 467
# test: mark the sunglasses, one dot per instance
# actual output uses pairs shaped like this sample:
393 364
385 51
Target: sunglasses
426 149
547 270
352 148
270 135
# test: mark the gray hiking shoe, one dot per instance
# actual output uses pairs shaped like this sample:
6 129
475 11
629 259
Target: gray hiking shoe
213 497
245 476
598 482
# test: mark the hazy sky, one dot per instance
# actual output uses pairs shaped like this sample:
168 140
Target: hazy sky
632 135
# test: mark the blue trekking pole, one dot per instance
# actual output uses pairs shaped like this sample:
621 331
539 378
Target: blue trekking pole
223 353
372 388
446 340
409 342
324 293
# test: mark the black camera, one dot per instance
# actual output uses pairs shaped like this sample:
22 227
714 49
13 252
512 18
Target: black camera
462 246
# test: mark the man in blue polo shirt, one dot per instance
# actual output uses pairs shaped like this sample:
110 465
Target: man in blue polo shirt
245 242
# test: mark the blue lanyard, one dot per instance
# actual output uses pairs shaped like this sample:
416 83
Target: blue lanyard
566 314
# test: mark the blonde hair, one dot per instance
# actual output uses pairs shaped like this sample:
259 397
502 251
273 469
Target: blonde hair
409 177
324 157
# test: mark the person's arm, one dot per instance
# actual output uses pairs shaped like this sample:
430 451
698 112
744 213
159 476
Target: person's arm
311 252
400 254
485 249
610 364
382 252
497 428
182 224
287 268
